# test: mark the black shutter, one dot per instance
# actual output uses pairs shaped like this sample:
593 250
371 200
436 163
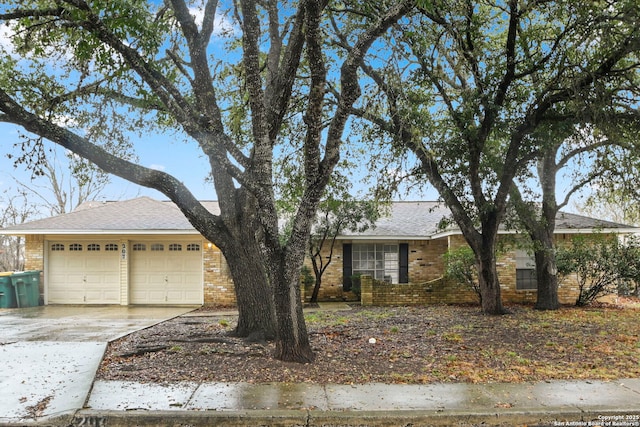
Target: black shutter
404 263
347 267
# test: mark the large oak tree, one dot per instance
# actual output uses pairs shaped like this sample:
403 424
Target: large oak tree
155 61
471 84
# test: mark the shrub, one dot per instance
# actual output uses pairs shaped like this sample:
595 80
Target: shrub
355 285
601 266
308 278
460 265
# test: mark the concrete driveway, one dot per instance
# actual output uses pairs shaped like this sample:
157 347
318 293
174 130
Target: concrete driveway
49 355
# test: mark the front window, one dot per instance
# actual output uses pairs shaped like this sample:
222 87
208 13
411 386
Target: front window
379 260
525 271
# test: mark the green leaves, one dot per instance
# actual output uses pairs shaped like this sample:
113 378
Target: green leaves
601 264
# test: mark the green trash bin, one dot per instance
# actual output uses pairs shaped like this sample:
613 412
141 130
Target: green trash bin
27 288
7 292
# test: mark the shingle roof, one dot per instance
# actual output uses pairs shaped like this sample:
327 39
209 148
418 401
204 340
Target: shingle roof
408 219
405 220
140 214
568 221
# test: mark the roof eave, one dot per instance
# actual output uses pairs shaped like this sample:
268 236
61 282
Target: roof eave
24 232
373 237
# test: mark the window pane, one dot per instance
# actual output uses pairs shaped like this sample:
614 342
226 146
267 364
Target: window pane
524 260
379 260
526 279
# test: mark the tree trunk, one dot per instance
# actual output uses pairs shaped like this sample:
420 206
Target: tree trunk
317 272
292 340
541 228
316 290
488 277
256 311
546 271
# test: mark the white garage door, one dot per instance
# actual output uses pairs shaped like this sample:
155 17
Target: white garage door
166 273
83 273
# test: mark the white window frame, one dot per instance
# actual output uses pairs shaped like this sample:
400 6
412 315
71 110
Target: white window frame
525 271
379 260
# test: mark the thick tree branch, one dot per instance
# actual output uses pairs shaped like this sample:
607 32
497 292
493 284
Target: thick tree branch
205 222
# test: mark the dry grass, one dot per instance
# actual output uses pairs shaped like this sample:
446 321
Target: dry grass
413 345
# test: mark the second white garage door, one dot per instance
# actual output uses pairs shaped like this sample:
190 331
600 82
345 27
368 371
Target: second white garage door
165 272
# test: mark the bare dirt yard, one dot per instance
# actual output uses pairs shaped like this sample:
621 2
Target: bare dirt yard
412 345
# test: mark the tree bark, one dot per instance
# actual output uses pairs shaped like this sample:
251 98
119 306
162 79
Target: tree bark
316 290
317 272
256 311
292 340
488 277
541 228
547 274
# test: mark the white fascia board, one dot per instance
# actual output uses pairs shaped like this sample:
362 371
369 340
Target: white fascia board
389 238
447 233
581 231
557 231
597 231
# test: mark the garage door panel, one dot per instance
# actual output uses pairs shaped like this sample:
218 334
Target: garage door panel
80 276
75 263
98 296
58 296
164 276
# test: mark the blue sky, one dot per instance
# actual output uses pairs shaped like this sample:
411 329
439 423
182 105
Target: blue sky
180 159
177 158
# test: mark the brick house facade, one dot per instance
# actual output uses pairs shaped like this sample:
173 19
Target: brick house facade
404 251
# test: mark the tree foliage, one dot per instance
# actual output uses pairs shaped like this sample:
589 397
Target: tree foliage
470 86
460 265
601 266
134 65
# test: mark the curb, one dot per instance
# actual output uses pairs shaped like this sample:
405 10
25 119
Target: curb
314 418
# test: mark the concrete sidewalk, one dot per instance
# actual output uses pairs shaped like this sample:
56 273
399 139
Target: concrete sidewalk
49 356
556 403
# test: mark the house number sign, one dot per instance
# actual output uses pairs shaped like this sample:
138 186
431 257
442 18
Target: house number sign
124 251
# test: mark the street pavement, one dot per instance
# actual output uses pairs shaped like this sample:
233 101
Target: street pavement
49 356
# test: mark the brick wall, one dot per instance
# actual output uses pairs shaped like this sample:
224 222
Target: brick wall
438 291
34 252
34 257
425 260
428 287
426 268
425 263
218 286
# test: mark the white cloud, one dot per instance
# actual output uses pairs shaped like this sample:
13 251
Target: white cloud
65 121
157 167
6 33
221 24
6 45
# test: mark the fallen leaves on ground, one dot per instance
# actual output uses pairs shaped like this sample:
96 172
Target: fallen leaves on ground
410 345
38 409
